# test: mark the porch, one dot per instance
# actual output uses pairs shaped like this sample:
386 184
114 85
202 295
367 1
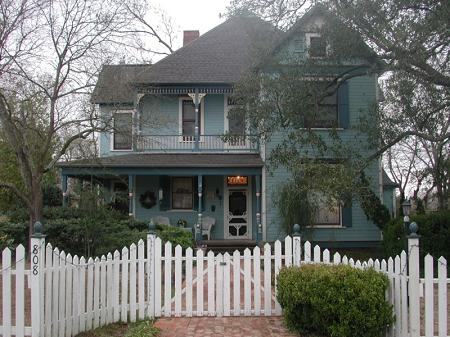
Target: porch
190 190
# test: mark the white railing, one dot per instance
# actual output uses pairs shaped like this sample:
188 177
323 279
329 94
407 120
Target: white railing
70 295
206 143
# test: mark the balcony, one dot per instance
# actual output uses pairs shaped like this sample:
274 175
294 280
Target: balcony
206 143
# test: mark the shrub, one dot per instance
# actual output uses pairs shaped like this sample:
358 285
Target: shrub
434 229
176 235
336 301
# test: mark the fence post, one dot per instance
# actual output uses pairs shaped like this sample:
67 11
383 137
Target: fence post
151 237
297 248
37 272
414 281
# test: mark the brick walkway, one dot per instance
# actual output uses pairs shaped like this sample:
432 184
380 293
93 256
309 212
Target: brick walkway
224 326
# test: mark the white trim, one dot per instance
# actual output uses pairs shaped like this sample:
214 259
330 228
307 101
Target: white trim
111 133
180 116
226 190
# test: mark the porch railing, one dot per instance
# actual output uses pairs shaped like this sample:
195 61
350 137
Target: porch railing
206 143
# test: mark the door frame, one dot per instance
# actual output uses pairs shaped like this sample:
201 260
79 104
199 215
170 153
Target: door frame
226 190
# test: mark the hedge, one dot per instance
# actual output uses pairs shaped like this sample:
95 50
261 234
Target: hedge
88 232
434 231
334 301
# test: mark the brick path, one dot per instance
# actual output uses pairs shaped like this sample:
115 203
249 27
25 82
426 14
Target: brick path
223 326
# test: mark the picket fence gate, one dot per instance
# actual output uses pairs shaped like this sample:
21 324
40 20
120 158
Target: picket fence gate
70 295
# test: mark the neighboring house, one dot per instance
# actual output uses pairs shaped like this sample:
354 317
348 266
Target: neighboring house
175 162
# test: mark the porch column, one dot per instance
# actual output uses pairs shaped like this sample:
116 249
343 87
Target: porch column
64 189
258 208
130 194
199 235
197 97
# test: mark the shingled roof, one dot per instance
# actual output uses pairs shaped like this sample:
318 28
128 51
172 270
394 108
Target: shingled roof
114 85
221 55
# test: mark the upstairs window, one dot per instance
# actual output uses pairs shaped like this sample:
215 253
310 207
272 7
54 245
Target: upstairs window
182 193
188 120
325 114
123 131
317 45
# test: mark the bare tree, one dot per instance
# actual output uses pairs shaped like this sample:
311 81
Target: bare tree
151 29
50 54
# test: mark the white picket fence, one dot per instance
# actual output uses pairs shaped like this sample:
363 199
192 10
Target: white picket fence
69 294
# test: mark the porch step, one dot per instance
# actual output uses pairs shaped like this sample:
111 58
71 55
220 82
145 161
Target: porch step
223 246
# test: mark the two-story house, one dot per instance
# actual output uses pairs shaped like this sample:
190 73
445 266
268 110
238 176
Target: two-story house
167 145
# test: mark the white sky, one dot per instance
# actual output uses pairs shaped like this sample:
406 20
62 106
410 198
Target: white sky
202 15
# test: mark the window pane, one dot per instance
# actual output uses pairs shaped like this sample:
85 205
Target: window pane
236 123
182 193
317 46
188 110
326 115
188 114
326 213
122 131
188 128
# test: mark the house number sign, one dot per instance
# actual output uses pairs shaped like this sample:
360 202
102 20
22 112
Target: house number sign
237 180
35 259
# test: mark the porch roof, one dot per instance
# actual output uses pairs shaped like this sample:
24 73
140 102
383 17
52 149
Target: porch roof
165 163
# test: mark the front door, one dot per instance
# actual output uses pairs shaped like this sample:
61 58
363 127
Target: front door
238 215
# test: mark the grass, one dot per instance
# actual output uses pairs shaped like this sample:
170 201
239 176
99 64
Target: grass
137 329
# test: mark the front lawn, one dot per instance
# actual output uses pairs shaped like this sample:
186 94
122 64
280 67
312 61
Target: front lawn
137 329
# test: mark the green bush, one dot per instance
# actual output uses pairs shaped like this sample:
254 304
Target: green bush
176 235
434 231
87 232
334 301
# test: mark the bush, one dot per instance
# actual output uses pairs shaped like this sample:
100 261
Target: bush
337 301
434 229
176 235
87 232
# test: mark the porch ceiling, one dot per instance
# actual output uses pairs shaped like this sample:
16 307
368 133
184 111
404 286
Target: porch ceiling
173 163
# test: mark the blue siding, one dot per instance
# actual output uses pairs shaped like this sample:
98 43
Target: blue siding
160 116
212 200
361 98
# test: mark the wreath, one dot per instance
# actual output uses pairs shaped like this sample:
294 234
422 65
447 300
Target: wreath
148 199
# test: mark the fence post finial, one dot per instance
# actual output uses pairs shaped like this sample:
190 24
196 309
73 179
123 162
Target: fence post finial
37 230
296 230
151 227
413 228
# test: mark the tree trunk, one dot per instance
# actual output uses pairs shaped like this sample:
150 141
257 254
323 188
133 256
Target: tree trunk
37 204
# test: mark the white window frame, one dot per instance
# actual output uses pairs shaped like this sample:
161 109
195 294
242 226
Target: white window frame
340 225
180 117
226 125
171 194
112 133
308 37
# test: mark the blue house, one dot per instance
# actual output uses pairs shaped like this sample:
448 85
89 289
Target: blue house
166 145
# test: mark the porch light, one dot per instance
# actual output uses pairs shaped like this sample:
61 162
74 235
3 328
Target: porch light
406 206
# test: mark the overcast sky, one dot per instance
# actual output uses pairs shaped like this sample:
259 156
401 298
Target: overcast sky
202 15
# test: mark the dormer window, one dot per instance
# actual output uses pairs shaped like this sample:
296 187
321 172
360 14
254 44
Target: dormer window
317 46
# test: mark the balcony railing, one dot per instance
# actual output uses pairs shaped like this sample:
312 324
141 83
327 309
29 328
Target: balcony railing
206 143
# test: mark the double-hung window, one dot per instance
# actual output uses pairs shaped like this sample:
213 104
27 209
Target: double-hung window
325 114
123 131
182 193
188 120
327 213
